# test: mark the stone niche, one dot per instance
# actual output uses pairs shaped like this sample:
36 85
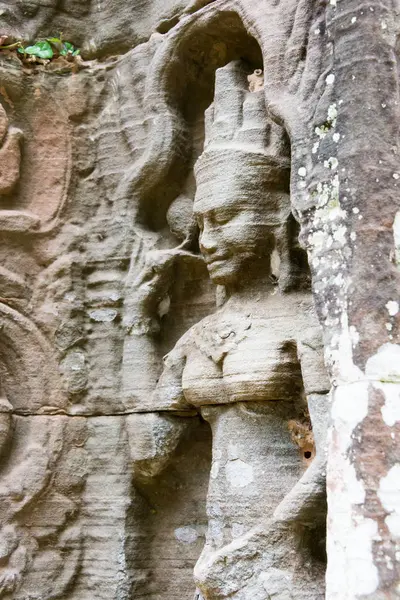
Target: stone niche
163 394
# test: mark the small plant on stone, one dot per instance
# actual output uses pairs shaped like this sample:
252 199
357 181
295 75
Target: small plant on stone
50 48
42 50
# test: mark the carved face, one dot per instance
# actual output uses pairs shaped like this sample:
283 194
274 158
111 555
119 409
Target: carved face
237 219
234 238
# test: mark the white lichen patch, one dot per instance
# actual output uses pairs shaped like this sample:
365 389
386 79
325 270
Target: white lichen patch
354 335
363 574
391 409
302 171
321 132
331 163
392 307
350 539
339 280
326 228
332 113
396 236
340 234
186 535
238 473
389 495
330 79
383 370
330 123
349 544
350 535
317 239
339 353
214 469
347 415
103 315
384 366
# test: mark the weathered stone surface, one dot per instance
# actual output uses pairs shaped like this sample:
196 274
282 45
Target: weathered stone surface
99 27
181 210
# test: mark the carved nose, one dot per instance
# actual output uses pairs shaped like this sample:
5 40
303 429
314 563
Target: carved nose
207 242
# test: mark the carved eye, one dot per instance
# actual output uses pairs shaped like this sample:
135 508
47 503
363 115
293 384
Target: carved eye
221 219
307 454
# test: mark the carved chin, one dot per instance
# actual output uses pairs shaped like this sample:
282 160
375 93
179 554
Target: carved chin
234 269
223 272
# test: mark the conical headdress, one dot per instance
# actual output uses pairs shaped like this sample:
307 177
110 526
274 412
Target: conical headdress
245 153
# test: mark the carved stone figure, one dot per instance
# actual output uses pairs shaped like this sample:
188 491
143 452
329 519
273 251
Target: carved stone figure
254 368
35 148
105 183
42 469
10 154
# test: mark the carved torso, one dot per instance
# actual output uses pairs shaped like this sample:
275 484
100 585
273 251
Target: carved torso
260 355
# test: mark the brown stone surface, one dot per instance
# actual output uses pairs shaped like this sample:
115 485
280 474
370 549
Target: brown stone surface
181 209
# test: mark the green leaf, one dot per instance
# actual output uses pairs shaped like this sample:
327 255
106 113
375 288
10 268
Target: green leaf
76 53
54 40
22 50
67 48
40 49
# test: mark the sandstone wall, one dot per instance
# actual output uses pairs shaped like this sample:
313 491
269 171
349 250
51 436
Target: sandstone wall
196 212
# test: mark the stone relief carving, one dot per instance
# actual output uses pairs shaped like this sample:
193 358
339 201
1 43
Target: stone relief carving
160 179
148 198
32 195
91 306
254 368
151 205
42 467
42 478
10 155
